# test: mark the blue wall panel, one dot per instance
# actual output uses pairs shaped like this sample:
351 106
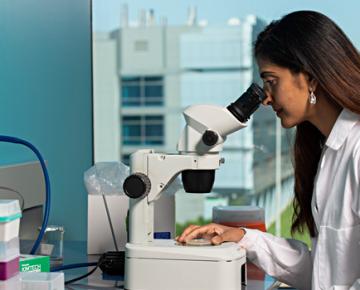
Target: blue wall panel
46 97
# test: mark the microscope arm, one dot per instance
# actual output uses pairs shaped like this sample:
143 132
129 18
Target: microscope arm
170 165
151 173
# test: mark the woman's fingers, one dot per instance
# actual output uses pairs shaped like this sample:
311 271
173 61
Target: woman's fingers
188 230
203 231
208 232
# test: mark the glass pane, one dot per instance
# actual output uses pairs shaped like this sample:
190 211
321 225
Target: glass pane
132 141
154 130
153 79
131 95
127 119
130 91
125 159
153 102
131 103
131 130
154 142
153 91
154 118
205 66
126 80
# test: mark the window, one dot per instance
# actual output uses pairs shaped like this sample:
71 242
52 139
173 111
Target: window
143 130
142 91
214 75
125 159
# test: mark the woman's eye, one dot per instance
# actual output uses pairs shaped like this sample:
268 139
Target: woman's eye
269 82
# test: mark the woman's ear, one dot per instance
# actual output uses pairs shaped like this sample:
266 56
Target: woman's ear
312 82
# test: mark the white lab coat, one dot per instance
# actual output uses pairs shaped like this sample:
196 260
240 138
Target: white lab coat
334 262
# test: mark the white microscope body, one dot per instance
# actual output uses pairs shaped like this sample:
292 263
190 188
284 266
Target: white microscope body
163 264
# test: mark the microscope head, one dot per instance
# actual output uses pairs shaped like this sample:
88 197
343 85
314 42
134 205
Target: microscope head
207 127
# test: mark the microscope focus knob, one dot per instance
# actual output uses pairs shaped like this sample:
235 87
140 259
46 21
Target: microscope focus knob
210 138
137 185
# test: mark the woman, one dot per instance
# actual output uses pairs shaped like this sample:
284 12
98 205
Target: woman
311 75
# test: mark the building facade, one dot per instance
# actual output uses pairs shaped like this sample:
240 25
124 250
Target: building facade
145 76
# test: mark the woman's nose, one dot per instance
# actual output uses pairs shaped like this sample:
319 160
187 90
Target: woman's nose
268 100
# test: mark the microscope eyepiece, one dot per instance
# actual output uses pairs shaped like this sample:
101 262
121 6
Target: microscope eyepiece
247 103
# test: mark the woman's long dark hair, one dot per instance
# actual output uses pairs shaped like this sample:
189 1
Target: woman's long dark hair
310 42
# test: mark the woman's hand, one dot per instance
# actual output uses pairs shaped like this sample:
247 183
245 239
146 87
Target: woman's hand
216 233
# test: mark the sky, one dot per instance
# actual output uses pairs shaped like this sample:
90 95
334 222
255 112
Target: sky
106 13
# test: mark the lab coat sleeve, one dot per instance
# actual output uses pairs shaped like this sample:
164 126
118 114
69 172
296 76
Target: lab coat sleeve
287 260
355 180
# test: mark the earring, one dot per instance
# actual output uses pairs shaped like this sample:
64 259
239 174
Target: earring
312 98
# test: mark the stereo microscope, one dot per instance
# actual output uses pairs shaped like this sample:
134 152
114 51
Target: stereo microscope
164 264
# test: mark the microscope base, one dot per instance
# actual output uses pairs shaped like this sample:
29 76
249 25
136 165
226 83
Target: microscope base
164 265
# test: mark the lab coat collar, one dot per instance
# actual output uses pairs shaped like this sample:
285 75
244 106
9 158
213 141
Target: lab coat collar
341 129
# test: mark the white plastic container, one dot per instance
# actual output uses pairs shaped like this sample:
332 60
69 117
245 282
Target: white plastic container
13 283
42 281
9 249
10 215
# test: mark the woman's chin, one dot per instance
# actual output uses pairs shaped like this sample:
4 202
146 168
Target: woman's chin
286 123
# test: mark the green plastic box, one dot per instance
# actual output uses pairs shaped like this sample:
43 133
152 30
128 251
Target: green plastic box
34 263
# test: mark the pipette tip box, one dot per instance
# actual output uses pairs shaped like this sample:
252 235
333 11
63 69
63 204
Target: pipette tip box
10 214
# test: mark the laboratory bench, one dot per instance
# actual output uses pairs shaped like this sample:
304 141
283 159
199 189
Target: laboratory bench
76 252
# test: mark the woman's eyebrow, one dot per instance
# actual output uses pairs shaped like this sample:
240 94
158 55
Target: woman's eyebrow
266 73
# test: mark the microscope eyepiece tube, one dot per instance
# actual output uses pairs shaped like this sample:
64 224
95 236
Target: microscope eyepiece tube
247 103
